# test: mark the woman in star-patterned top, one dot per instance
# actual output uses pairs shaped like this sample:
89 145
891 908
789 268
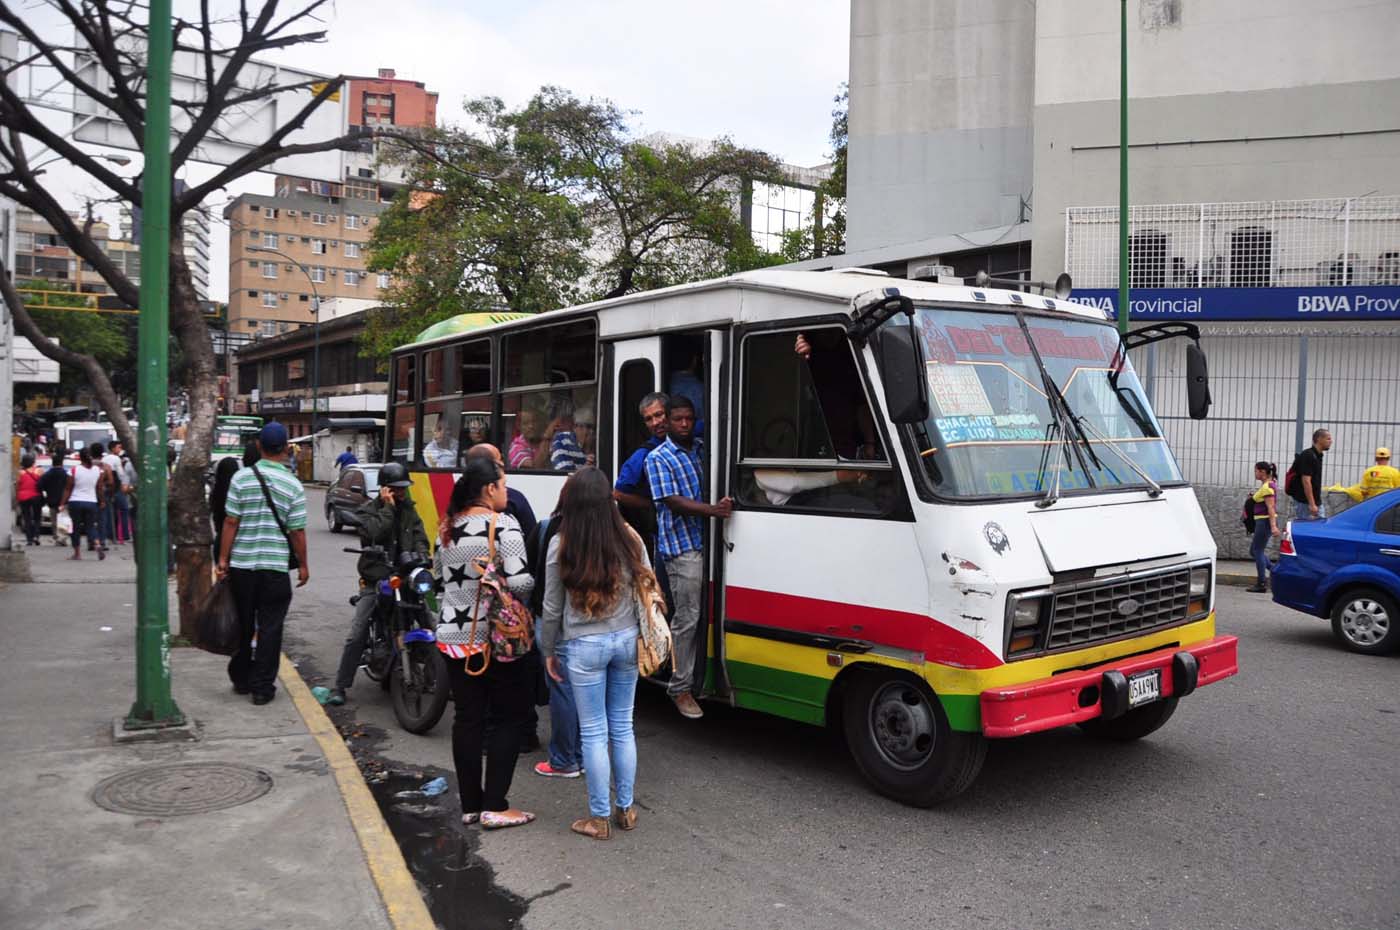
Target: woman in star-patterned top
501 698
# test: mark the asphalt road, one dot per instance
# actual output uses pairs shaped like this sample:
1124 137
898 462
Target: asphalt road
1269 801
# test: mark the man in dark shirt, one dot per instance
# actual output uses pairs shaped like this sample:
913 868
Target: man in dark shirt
52 484
1306 486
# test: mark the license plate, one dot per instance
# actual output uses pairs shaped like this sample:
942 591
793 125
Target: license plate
1144 687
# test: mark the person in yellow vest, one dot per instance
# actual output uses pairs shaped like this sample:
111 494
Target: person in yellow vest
1380 477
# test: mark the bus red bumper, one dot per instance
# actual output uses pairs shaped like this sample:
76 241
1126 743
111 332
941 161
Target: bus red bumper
1108 690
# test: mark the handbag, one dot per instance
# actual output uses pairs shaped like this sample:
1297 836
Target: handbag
292 561
510 625
653 634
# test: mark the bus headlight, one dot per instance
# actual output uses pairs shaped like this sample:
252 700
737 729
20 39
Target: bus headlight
1198 593
1023 621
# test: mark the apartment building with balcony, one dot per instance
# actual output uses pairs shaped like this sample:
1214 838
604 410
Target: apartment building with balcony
42 256
314 223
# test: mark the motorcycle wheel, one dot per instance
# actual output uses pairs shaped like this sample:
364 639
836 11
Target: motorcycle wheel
419 701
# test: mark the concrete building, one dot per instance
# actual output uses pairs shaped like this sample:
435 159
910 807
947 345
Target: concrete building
389 100
274 376
324 223
42 256
317 224
194 238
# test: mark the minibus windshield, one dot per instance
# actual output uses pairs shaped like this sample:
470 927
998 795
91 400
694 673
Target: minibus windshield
993 427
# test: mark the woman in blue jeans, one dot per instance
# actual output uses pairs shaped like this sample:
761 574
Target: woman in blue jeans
590 603
1264 502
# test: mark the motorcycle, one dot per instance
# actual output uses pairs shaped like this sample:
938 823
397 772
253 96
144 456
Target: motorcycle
402 653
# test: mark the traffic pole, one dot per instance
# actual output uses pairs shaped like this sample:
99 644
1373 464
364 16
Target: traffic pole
154 706
1123 168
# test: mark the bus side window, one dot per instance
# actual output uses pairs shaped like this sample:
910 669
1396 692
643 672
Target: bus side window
807 437
404 415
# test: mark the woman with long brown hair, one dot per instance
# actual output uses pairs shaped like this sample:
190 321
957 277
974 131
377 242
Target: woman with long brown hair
488 691
590 601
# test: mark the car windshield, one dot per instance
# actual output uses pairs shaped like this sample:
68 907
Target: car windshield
993 429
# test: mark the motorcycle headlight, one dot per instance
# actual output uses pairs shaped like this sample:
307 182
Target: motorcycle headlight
422 580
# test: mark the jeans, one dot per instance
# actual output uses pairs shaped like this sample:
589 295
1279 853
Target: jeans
355 643
121 517
502 697
563 719
262 599
1300 511
686 573
602 670
106 529
84 514
1259 548
30 513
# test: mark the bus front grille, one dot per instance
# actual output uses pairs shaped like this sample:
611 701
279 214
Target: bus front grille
1119 608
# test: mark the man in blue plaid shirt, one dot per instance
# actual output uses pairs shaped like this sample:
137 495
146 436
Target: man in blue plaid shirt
676 473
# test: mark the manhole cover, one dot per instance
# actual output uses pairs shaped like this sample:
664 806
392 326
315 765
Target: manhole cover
182 788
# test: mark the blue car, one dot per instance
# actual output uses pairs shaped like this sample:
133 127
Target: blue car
1347 567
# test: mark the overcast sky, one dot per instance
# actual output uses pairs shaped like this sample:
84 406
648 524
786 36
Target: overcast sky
760 71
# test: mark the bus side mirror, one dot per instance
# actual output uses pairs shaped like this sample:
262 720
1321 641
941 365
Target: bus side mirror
902 371
1197 383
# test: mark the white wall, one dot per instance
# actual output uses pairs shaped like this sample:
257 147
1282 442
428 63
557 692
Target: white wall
1217 46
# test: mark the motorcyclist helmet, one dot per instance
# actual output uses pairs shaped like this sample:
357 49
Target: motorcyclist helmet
393 475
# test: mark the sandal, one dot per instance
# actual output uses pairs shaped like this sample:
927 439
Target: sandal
469 819
625 818
499 820
596 828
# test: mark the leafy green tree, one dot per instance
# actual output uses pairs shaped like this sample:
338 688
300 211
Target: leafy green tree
554 203
486 224
833 189
103 336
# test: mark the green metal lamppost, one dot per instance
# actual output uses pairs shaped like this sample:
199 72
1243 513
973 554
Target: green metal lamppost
1123 168
154 705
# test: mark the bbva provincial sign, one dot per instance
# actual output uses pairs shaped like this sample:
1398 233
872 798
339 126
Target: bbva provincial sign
1376 302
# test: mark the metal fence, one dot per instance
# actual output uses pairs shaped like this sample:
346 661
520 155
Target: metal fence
1270 391
1271 243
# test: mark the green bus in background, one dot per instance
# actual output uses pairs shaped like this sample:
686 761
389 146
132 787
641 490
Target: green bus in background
231 436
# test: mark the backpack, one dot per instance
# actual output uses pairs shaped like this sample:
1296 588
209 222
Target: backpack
1290 481
510 626
1247 515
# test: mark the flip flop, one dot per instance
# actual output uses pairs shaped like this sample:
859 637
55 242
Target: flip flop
495 820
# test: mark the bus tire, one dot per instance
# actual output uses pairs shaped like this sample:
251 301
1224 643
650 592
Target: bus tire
901 741
1135 724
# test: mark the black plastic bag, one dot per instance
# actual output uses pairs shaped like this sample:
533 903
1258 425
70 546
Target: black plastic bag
218 621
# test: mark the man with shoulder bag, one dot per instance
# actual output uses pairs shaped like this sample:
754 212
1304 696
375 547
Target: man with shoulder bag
264 536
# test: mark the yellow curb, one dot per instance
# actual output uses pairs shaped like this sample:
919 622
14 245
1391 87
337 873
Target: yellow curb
397 888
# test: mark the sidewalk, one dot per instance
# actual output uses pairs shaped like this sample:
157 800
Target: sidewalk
298 842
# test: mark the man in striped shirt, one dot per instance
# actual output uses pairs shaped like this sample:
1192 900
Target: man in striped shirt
255 559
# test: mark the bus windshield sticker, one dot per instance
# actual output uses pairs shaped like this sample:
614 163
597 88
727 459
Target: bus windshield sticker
957 390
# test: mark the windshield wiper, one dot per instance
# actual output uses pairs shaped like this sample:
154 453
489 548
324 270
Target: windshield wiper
1156 489
1052 493
1060 410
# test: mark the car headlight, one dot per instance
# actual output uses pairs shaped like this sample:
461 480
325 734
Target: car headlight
1199 592
1023 622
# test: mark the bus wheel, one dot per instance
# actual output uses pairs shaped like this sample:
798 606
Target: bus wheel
1135 724
901 741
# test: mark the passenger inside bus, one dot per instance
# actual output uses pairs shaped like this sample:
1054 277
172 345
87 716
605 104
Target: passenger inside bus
441 450
529 444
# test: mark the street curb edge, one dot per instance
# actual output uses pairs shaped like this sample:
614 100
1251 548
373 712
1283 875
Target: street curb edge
397 889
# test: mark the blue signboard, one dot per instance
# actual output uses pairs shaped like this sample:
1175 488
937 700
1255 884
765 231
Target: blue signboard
1306 304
